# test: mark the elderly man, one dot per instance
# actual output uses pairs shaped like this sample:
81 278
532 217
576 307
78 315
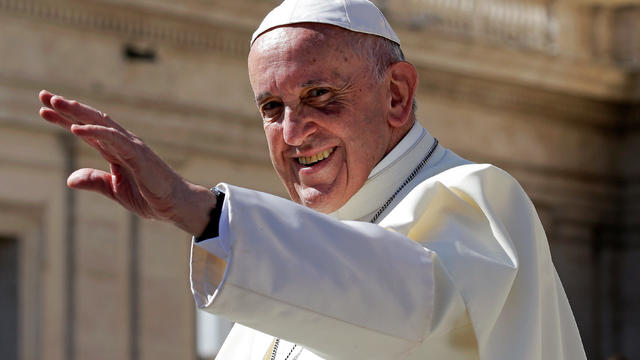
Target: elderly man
424 255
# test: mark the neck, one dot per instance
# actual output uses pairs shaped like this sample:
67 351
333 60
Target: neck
397 134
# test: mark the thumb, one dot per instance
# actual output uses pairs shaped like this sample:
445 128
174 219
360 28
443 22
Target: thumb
92 180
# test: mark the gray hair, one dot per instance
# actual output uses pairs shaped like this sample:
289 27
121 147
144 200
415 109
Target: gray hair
380 53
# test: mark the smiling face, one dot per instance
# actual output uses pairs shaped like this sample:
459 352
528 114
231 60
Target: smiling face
324 115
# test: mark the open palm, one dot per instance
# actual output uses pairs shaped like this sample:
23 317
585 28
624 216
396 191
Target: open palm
138 179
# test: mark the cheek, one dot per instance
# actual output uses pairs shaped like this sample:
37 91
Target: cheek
366 141
273 135
275 142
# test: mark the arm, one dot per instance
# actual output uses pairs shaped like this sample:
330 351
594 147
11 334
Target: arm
343 289
138 179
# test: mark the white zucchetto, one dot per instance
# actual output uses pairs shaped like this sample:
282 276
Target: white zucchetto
355 15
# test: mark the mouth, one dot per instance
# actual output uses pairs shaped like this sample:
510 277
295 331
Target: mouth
315 159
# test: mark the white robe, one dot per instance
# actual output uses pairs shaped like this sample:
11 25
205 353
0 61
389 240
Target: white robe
458 267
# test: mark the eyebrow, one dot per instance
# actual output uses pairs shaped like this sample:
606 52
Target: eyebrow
262 96
313 83
308 83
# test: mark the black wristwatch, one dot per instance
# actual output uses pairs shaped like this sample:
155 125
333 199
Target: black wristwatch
212 229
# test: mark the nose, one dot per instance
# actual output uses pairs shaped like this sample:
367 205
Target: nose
296 126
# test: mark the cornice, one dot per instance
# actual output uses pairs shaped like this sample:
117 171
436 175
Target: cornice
580 92
135 23
595 114
550 72
520 24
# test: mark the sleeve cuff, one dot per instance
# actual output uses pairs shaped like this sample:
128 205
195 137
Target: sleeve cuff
213 238
211 230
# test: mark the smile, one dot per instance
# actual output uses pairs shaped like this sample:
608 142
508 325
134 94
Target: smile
314 159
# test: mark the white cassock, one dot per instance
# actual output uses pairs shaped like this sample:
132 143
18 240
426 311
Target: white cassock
458 267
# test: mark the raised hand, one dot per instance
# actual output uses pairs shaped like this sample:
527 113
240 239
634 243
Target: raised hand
138 179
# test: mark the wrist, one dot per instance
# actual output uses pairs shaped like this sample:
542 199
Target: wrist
212 229
197 208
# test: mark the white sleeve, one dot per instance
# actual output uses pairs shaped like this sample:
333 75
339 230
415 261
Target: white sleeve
219 246
342 289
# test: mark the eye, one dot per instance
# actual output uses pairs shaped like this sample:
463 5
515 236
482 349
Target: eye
271 105
317 92
270 109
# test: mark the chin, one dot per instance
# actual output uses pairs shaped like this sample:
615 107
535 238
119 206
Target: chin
318 200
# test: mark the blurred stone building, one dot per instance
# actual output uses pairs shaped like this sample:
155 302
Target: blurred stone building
547 89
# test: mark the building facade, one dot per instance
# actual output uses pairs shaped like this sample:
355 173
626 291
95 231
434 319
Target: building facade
549 90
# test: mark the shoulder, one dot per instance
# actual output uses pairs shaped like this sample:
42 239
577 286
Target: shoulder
480 182
462 174
482 192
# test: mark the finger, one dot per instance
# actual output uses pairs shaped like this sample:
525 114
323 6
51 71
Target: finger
92 180
150 174
100 148
55 118
45 98
81 113
65 107
112 143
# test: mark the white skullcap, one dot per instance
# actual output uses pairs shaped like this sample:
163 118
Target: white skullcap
355 15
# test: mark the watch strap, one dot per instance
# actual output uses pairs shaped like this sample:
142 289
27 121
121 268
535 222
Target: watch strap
212 228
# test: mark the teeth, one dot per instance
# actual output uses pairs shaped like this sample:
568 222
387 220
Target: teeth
306 160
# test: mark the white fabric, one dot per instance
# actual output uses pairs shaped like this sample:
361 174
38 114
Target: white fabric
355 15
458 268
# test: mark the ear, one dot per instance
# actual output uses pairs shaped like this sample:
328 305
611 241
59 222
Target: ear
402 78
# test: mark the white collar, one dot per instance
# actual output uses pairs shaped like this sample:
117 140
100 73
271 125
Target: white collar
403 146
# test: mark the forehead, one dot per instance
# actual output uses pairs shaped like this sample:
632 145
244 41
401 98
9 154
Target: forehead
305 38
302 53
